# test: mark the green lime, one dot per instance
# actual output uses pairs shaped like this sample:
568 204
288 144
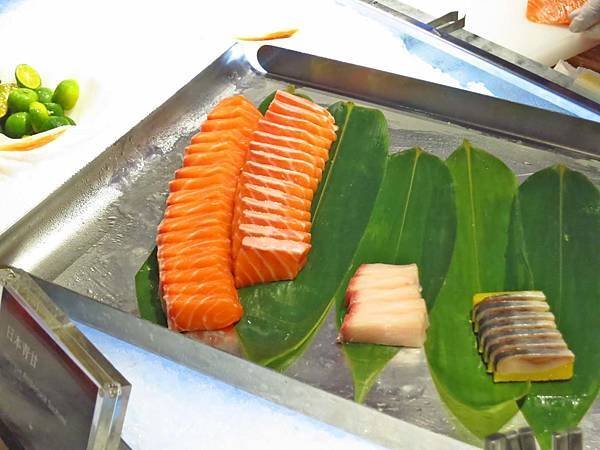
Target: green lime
44 94
54 109
38 115
5 90
17 125
66 94
20 99
55 122
27 77
71 121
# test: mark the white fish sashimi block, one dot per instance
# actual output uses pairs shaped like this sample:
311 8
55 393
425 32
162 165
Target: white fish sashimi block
384 306
397 294
404 329
390 307
378 271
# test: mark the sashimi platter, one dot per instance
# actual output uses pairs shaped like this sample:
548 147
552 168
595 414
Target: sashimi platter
330 242
286 209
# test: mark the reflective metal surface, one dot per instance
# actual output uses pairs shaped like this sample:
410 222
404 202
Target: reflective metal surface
465 55
333 409
46 363
94 233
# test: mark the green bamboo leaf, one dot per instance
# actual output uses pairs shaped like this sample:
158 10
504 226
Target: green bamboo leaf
147 292
279 318
484 191
554 247
413 221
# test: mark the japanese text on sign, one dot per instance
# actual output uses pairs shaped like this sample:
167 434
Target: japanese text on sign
22 347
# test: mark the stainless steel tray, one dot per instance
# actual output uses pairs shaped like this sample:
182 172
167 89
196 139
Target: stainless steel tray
94 233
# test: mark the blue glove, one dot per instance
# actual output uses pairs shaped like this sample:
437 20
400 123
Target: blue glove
585 17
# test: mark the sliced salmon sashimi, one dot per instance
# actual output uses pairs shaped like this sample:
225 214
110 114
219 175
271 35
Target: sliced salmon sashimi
239 209
284 165
194 237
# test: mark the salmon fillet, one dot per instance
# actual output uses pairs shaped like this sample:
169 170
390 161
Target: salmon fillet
553 12
263 259
271 220
194 237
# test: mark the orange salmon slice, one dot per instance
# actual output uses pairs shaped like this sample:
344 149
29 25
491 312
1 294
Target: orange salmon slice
268 194
220 218
274 232
274 208
291 176
190 275
220 203
288 187
293 132
216 246
235 100
194 247
294 100
283 162
221 178
242 124
303 124
288 152
265 259
266 231
212 147
218 157
323 120
230 112
221 282
219 136
204 312
199 172
291 142
273 220
194 261
202 194
191 234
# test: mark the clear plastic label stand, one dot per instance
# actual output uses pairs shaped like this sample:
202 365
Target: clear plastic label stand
57 391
